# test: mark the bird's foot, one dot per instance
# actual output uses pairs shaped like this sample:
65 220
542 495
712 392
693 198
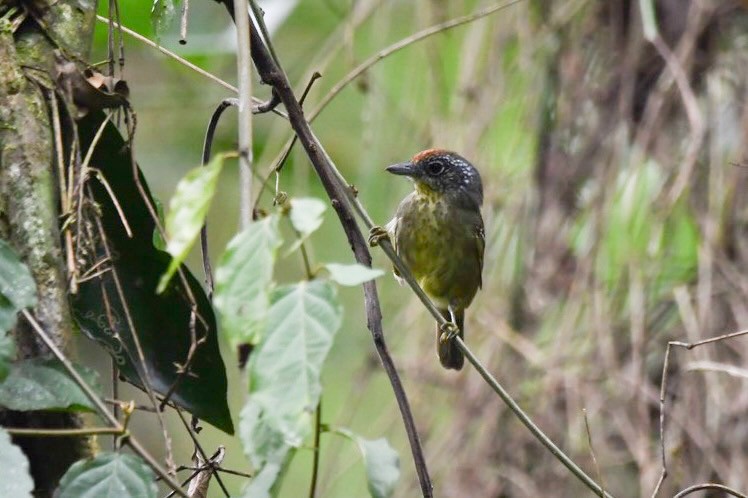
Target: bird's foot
449 332
376 235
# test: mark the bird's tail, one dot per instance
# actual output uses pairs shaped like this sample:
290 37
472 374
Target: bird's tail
450 355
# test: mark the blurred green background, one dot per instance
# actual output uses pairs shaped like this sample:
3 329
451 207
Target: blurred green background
608 232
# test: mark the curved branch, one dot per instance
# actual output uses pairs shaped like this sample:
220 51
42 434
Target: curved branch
700 487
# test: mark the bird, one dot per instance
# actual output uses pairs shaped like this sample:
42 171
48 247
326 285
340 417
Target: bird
438 233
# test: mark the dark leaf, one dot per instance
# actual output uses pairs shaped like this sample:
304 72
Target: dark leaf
163 321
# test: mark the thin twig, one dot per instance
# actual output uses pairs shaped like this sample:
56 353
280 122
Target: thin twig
405 42
85 431
592 453
207 146
169 53
99 404
663 388
315 457
709 485
244 75
199 449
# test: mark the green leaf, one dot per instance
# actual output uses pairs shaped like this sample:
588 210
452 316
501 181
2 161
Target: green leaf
187 210
381 461
284 372
17 287
351 275
7 353
15 480
306 218
108 475
285 368
39 384
306 214
162 321
243 281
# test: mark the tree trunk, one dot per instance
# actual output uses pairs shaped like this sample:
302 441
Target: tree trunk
29 198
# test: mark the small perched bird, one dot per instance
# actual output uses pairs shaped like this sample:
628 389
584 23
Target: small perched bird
438 233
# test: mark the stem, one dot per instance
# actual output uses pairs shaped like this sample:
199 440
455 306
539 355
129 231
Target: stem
244 72
315 460
92 431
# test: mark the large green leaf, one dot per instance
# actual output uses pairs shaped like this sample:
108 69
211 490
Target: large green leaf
15 480
381 461
39 384
162 321
243 281
285 368
187 210
17 287
108 475
284 375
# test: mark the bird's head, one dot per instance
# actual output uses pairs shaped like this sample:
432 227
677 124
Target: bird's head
441 172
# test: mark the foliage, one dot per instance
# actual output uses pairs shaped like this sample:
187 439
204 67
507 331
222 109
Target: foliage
381 461
244 278
15 480
109 475
187 211
17 287
38 384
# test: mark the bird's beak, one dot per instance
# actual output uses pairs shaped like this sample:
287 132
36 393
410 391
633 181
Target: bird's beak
403 169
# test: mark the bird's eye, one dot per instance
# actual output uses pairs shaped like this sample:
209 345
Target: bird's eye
435 168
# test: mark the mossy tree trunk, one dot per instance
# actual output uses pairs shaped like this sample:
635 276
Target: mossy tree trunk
34 39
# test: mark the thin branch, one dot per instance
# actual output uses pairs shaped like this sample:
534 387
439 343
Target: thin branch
207 146
244 75
405 42
169 53
709 485
592 453
41 432
315 457
663 388
99 404
199 449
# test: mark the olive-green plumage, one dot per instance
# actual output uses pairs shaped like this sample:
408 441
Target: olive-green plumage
438 232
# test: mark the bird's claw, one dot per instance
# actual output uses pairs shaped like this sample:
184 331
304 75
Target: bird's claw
376 235
449 332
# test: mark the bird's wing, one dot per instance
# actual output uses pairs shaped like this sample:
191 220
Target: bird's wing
480 238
